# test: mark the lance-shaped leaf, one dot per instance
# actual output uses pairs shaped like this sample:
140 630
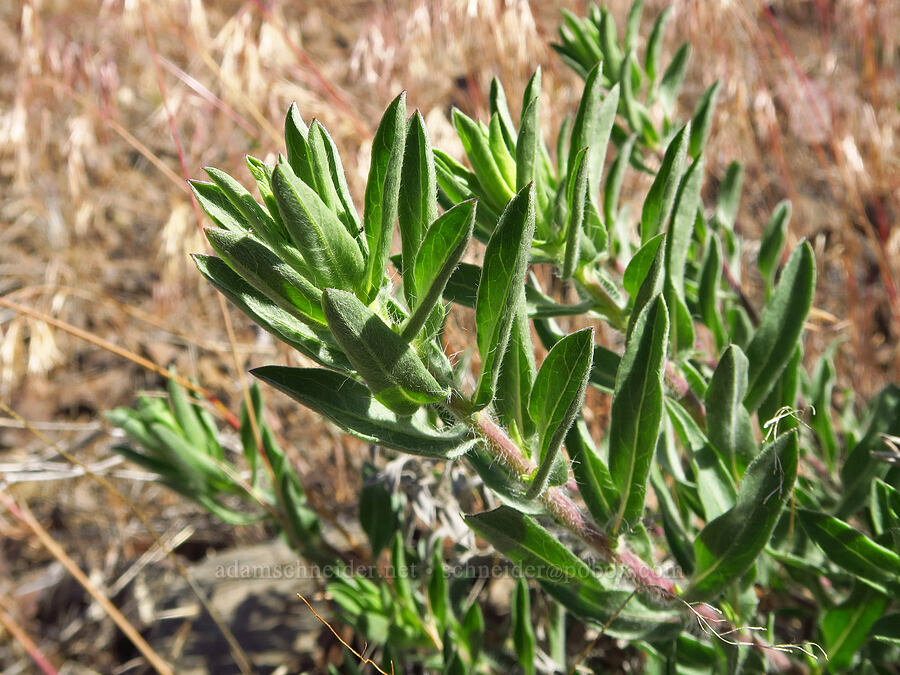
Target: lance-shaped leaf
673 77
267 314
517 373
591 473
637 407
505 160
847 547
577 195
727 420
592 126
718 492
325 188
605 362
344 206
678 240
673 526
266 272
500 108
299 155
528 143
861 467
500 289
654 46
332 254
702 120
254 214
557 397
568 579
382 191
349 404
884 507
476 144
773 241
846 627
708 288
609 44
640 264
418 198
633 24
727 546
779 328
439 253
522 629
218 206
729 198
662 192
612 186
388 364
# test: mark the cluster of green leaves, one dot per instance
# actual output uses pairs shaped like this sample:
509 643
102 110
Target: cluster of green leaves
178 440
705 396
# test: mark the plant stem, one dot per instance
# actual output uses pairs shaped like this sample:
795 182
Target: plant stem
567 513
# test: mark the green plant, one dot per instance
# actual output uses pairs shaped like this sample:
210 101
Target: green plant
750 499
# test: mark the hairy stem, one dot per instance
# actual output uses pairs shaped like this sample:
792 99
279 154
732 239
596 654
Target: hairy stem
567 513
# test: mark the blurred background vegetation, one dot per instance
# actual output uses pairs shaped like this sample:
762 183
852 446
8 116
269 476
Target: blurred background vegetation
107 106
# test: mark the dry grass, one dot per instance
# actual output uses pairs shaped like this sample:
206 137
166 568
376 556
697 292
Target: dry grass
97 224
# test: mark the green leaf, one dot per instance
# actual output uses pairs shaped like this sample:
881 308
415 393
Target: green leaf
612 186
609 44
462 288
673 526
268 274
380 509
727 547
678 240
884 506
727 420
702 120
846 627
673 77
438 255
296 135
637 411
500 289
633 24
344 206
388 364
557 396
654 45
887 629
591 129
528 143
773 241
476 145
505 161
605 362
640 264
216 204
186 414
267 314
253 214
471 631
383 191
662 192
522 630
517 373
781 324
500 109
565 577
718 492
418 198
438 591
708 288
847 547
729 199
591 473
860 467
324 186
577 199
327 247
349 404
